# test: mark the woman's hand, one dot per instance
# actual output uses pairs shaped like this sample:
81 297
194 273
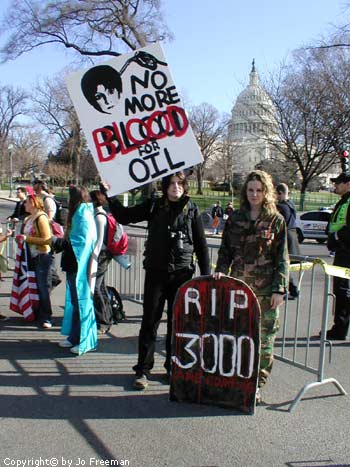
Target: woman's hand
276 300
218 275
4 236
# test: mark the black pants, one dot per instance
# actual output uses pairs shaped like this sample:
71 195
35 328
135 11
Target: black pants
341 290
159 287
102 305
294 249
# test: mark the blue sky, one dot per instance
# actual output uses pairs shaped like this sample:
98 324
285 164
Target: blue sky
215 42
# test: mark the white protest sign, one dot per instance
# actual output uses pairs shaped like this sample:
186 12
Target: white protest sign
133 119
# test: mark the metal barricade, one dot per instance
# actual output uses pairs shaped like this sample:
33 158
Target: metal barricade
129 283
9 252
296 345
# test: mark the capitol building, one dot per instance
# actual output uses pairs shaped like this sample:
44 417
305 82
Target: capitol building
252 127
253 139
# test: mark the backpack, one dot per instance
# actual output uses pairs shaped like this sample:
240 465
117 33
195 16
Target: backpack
115 300
61 213
117 239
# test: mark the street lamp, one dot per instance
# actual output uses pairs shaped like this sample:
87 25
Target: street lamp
10 147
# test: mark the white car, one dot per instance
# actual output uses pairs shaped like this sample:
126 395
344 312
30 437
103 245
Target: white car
312 224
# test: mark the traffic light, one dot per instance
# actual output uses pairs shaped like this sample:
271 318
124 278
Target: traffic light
345 162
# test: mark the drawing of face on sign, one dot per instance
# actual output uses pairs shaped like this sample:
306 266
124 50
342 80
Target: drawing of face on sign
102 86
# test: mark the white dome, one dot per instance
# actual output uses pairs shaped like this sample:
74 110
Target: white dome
253 106
252 126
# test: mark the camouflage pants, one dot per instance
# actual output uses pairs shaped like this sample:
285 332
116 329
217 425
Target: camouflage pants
269 328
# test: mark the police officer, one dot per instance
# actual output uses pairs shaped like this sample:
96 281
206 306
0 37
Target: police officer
175 233
338 231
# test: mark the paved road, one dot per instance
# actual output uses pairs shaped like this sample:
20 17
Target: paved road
55 406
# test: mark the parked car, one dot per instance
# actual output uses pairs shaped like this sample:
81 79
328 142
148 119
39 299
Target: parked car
312 224
221 186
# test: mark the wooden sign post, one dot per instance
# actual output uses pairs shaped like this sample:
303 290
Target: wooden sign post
216 343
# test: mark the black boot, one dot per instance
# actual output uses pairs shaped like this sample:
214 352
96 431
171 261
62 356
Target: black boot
293 290
336 334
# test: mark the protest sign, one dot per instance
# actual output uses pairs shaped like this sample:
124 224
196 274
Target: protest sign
216 343
134 122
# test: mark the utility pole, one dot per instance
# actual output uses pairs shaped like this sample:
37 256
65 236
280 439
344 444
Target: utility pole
10 147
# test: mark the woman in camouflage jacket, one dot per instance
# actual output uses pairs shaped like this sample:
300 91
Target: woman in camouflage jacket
254 249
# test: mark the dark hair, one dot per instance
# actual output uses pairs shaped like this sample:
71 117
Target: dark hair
97 197
101 74
166 182
282 188
77 195
41 183
22 189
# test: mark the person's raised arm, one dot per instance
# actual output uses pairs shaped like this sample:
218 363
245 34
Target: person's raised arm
126 215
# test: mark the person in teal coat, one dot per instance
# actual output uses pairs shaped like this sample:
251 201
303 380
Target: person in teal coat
79 323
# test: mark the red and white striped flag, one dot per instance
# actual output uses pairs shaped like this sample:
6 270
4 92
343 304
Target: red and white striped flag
24 294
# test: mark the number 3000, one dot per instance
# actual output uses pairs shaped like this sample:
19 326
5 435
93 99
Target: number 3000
224 347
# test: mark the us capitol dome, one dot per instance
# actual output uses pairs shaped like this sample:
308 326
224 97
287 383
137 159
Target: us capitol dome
252 126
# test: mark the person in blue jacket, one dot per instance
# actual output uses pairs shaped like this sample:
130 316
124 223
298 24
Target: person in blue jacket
79 323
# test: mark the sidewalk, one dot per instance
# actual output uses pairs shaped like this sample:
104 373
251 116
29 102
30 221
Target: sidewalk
61 408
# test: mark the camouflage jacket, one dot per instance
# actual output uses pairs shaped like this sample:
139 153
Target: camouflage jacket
255 252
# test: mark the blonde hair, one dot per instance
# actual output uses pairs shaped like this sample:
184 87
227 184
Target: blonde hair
36 201
269 201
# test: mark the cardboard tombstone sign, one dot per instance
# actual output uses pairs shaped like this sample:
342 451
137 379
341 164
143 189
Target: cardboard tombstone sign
216 343
134 122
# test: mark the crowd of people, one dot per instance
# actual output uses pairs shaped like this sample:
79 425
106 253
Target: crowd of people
255 243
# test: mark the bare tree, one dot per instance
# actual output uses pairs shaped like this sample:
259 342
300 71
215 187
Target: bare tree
53 109
208 129
223 163
59 173
89 27
29 152
281 171
12 106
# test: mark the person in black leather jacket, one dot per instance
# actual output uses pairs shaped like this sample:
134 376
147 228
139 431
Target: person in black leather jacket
175 233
